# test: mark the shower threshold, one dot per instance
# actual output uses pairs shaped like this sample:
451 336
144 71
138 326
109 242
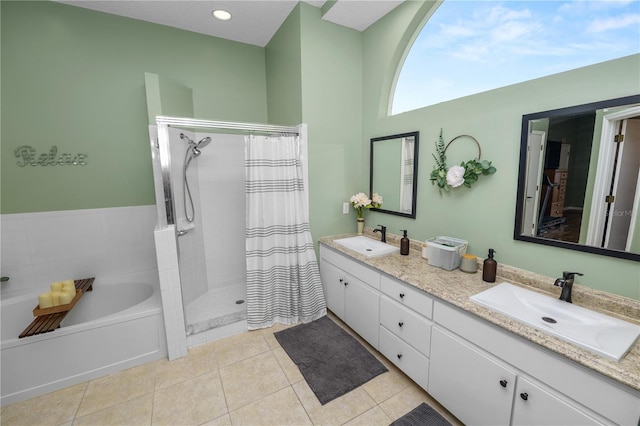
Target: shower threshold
216 308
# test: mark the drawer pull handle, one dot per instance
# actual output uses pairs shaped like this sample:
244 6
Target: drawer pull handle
400 324
524 396
401 295
399 356
503 383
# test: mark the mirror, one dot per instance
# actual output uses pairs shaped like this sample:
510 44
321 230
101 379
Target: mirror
579 178
394 173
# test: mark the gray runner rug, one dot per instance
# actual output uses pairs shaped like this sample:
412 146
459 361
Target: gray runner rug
422 415
331 360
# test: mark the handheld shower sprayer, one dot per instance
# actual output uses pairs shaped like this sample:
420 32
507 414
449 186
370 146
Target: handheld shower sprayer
193 150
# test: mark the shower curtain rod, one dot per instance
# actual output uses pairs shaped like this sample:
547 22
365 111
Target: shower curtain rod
229 125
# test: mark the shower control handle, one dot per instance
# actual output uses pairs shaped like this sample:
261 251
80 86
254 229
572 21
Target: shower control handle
182 232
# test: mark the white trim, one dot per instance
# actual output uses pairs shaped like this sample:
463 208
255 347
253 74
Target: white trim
604 171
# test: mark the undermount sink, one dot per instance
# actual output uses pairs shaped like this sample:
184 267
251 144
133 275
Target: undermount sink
606 336
367 246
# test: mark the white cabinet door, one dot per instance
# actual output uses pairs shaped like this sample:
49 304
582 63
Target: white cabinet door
333 284
476 389
537 407
361 305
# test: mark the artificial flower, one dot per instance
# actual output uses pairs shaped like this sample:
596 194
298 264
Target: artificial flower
455 176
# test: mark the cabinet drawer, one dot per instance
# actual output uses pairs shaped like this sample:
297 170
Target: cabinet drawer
407 359
407 295
406 324
365 274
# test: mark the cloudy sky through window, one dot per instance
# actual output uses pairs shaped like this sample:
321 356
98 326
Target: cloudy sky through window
469 47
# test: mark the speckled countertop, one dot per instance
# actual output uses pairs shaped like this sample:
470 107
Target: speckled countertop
456 287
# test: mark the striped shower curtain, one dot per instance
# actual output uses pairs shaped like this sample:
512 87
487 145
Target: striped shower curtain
283 279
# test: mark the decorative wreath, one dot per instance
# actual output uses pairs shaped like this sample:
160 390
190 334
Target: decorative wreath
467 173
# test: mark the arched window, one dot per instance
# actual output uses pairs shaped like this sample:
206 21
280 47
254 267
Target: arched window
469 47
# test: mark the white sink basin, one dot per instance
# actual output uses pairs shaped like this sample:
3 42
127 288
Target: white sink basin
367 246
601 334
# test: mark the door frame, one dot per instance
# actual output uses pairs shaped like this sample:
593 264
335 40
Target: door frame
604 171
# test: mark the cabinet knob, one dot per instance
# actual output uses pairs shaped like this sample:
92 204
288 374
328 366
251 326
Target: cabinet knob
399 356
341 280
524 396
346 283
401 295
503 383
400 324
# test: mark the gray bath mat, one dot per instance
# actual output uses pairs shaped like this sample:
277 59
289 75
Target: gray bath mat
330 359
422 415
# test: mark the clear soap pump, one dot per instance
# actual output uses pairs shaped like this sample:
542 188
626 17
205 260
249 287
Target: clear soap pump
404 243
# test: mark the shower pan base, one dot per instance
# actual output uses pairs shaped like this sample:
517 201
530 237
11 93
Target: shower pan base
216 308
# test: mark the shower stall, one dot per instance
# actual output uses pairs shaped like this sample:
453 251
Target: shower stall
199 174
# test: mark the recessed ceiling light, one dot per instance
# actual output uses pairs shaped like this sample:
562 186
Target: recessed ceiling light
222 15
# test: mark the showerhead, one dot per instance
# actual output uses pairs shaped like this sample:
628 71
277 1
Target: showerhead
195 147
204 142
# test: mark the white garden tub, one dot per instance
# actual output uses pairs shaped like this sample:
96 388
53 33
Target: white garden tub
113 327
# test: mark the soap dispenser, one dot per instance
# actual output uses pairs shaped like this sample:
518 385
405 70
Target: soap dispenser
404 243
489 268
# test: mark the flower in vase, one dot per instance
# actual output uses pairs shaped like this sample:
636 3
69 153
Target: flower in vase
361 201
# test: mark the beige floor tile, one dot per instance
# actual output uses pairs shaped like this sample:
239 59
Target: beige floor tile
336 412
191 402
239 347
290 369
131 413
268 334
118 387
223 420
281 408
254 378
199 361
373 417
50 409
386 385
405 401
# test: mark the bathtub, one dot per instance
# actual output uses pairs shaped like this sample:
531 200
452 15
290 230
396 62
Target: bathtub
113 327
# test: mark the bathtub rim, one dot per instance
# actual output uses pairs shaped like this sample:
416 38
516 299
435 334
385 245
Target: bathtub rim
148 307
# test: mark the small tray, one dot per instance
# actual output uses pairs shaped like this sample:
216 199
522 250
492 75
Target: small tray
60 308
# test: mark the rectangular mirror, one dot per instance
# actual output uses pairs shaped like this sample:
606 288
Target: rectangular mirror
394 173
579 178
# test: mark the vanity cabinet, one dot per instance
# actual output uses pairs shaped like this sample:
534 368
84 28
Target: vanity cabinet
351 292
470 358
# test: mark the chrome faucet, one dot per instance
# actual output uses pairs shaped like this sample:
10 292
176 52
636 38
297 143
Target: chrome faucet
383 233
566 282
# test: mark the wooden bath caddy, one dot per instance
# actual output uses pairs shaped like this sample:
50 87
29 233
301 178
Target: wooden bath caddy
48 319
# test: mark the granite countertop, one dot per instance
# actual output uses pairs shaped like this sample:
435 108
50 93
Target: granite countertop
456 287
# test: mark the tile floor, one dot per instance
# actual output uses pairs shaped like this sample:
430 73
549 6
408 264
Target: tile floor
245 379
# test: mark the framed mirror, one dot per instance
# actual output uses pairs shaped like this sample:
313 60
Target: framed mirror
394 173
579 178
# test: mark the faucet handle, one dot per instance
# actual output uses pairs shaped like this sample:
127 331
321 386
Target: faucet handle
570 275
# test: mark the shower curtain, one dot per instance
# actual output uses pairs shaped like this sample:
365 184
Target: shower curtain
406 175
283 279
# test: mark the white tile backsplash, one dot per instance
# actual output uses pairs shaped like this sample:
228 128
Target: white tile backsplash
112 244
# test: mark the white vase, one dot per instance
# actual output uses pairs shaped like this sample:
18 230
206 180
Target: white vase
360 225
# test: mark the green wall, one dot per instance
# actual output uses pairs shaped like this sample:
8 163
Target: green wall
484 215
75 78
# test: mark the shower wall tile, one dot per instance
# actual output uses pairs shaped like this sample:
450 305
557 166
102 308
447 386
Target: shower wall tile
222 197
112 244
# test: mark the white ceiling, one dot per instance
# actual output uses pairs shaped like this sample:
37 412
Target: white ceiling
253 21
